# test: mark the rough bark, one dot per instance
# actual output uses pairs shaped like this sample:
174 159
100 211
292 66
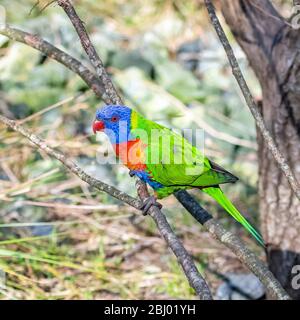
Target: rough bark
272 48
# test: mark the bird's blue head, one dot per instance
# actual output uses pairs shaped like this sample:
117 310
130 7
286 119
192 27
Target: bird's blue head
114 121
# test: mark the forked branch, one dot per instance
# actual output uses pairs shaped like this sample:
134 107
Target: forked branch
110 95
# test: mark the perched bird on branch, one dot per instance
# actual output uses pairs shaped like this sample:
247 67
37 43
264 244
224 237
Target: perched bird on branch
163 159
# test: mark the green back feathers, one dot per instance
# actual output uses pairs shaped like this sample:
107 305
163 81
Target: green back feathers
172 160
176 164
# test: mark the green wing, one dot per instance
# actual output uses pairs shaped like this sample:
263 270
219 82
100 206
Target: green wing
173 161
167 148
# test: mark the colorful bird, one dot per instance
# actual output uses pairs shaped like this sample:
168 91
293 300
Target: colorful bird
163 159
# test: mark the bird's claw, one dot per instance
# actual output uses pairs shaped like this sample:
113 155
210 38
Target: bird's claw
148 203
131 173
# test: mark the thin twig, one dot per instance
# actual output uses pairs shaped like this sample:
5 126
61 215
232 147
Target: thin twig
188 202
190 270
73 167
278 156
44 110
218 231
43 8
231 241
34 41
184 259
272 285
90 51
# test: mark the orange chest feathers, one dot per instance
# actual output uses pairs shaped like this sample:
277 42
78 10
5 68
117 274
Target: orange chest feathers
132 154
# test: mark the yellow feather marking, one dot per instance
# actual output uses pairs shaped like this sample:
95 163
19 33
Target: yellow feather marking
134 120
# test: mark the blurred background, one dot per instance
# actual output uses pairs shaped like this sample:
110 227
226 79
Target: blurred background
59 239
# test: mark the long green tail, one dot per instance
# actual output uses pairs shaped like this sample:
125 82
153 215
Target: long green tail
220 197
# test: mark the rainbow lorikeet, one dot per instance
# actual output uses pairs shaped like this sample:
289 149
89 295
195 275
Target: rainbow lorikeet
163 159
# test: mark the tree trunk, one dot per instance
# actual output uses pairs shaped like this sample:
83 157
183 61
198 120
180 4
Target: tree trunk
273 50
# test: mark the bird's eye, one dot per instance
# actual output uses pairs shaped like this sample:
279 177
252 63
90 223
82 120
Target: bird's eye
114 119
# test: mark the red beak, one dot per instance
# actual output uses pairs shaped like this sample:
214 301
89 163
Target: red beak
98 126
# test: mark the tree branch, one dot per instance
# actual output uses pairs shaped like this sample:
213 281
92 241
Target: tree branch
246 256
116 99
227 238
248 21
195 279
184 259
91 51
34 41
278 156
231 241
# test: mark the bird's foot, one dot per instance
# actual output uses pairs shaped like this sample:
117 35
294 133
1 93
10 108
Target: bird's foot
131 173
148 203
